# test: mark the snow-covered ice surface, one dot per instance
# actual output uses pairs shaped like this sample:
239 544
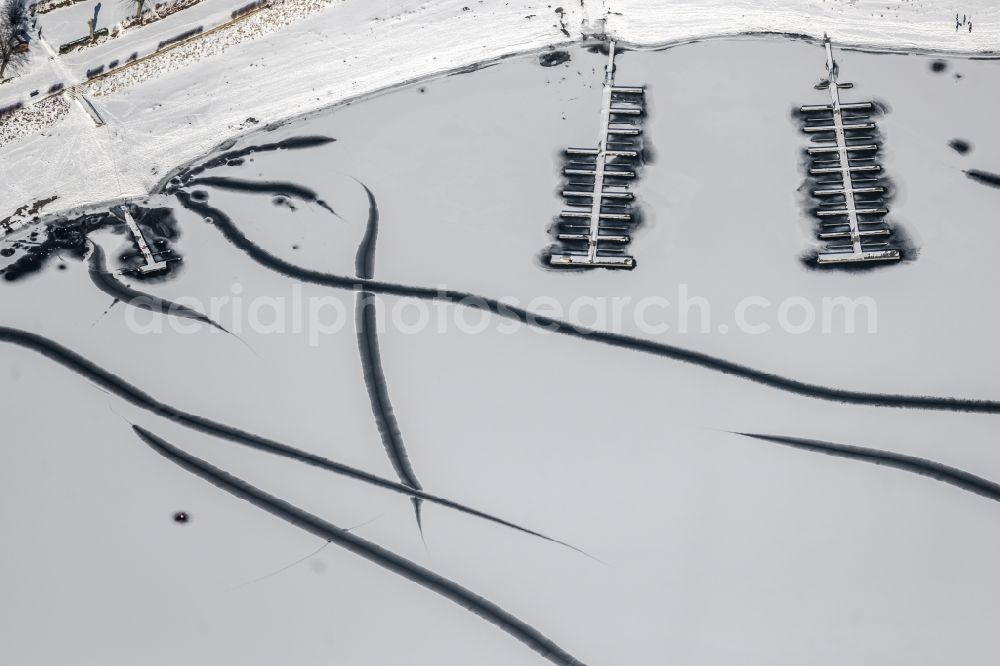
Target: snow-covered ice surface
707 547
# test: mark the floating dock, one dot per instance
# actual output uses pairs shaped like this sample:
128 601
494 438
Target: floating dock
152 265
593 230
848 184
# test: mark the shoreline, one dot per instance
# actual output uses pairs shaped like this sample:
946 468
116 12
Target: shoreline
877 49
79 192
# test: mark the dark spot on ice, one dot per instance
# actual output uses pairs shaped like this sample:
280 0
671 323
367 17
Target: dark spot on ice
7 252
957 75
553 58
295 247
421 89
181 517
960 146
984 177
199 195
62 267
939 66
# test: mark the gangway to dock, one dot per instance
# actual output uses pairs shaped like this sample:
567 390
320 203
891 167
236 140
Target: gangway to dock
152 265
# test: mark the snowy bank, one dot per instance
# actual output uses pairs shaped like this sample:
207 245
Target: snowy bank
159 116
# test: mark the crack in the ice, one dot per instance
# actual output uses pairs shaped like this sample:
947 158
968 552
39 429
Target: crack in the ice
368 550
371 361
104 280
225 158
920 466
984 177
114 384
620 340
264 187
364 261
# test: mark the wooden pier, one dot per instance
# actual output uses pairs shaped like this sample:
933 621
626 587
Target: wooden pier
593 229
847 179
152 265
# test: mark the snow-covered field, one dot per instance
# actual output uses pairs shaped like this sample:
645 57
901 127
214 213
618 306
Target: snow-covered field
356 47
706 547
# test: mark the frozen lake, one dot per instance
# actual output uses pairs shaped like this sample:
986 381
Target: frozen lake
707 547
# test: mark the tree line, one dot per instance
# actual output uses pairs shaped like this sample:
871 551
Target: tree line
14 24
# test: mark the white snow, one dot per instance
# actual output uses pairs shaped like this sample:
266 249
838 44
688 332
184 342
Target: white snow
927 25
272 69
34 118
713 549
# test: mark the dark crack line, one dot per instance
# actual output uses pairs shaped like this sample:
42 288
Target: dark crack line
364 261
984 177
104 280
371 361
265 187
222 159
378 395
920 466
114 384
369 550
775 381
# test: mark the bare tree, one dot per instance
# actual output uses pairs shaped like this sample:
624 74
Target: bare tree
13 34
7 55
139 5
16 14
